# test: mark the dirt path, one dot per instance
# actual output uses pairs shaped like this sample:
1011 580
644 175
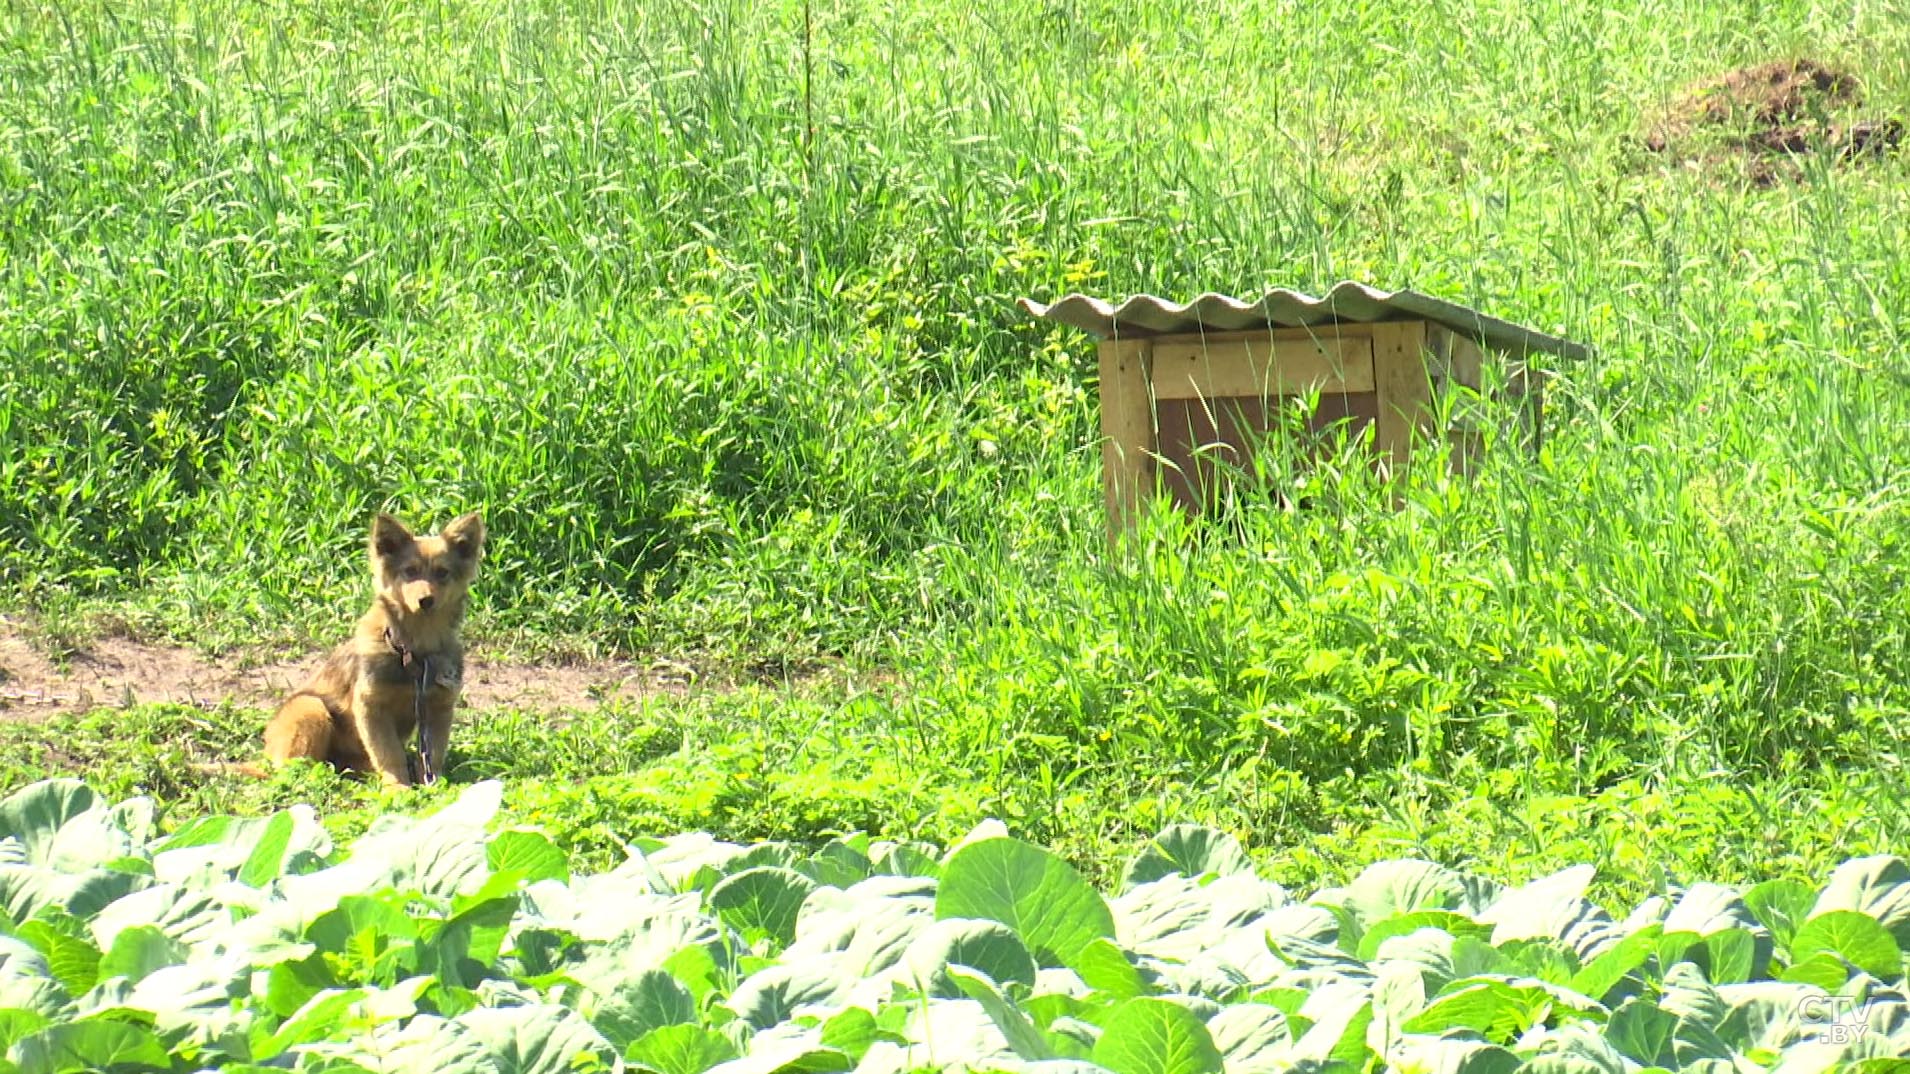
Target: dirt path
119 671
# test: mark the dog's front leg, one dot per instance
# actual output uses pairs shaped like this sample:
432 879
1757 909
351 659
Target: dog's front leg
370 712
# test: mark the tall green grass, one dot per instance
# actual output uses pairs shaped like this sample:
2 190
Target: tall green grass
730 362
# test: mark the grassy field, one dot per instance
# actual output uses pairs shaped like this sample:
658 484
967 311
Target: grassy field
709 309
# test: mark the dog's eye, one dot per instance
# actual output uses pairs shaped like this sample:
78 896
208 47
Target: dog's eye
413 571
440 574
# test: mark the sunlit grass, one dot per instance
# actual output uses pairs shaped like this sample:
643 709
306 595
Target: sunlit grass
731 392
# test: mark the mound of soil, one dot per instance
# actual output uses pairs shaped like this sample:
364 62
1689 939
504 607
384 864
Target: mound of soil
1768 115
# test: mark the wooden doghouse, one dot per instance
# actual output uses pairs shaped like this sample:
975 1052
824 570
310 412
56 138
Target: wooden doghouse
1187 389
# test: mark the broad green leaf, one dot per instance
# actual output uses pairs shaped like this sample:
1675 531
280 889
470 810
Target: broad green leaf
763 900
194 1005
771 995
530 854
1472 957
681 1049
639 1005
681 860
89 1046
1825 969
1685 993
1781 906
1027 1041
426 1044
1105 968
138 951
1706 908
1404 924
988 946
1188 849
870 926
1683 946
1427 951
358 918
1855 937
206 831
73 960
256 850
853 1031
25 980
697 969
836 864
442 854
1398 995
26 890
64 834
1153 1036
1390 888
372 939
34 815
775 855
1730 956
986 830
1309 955
1875 1065
537 1039
1546 908
1340 1014
291 983
187 915
793 1055
1250 1036
400 1001
1490 1008
1643 1031
1546 959
458 949
267 859
907 859
538 953
1038 895
322 1015
1162 915
650 930
1769 1014
1427 1055
1878 885
16 1023
1603 973
1701 1051
1578 1048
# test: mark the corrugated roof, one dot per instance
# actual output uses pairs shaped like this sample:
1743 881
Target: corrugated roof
1146 315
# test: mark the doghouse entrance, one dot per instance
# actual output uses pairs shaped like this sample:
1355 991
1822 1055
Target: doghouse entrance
1205 442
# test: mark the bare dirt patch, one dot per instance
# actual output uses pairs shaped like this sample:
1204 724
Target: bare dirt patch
1765 118
119 671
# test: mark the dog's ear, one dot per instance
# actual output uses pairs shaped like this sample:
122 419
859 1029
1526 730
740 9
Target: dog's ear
465 535
389 536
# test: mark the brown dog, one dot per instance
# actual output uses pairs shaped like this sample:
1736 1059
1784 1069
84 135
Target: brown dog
404 665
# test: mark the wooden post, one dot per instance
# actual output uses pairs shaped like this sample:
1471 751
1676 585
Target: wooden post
1405 391
1127 430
